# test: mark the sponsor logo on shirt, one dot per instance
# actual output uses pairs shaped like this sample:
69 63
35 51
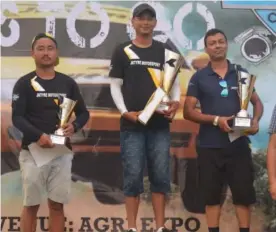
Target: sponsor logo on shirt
145 63
15 97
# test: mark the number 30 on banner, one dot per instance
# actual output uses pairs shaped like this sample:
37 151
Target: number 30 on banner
76 38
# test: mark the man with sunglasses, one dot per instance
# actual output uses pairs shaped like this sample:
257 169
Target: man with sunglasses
220 160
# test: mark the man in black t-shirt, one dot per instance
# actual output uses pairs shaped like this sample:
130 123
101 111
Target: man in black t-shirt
135 74
35 113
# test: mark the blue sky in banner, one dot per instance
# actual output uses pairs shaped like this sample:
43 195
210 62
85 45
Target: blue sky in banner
250 4
268 17
265 11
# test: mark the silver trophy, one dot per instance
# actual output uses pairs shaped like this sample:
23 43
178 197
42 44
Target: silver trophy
160 98
173 63
66 107
246 82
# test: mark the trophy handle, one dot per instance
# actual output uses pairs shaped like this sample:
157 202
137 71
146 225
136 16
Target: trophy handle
161 85
71 111
239 85
250 91
167 87
244 102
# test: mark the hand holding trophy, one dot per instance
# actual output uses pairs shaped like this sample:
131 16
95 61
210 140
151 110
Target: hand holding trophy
66 107
160 98
246 83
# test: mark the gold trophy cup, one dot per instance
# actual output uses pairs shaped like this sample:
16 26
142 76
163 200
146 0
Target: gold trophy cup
246 82
158 101
173 63
66 107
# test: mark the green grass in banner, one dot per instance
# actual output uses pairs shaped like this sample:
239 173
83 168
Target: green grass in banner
264 200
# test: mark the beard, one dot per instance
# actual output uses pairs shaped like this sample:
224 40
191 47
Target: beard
145 34
218 58
47 65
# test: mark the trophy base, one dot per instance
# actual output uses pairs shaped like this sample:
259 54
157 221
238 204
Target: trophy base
162 107
58 139
240 123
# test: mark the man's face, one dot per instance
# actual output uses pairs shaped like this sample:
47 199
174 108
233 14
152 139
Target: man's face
144 24
45 52
216 46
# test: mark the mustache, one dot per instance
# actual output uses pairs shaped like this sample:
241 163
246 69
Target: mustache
45 56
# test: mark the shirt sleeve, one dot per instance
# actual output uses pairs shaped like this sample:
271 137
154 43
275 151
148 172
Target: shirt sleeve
117 95
272 126
19 105
81 112
117 63
117 78
193 88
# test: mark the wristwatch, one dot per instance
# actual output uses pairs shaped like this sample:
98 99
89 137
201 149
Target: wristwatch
215 122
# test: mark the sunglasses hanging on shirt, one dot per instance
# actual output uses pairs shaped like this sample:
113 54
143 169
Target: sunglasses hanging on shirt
224 92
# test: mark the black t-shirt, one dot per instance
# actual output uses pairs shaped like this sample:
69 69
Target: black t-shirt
34 105
140 70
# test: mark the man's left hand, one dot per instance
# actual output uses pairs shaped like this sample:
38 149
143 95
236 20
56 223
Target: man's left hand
68 129
254 129
173 107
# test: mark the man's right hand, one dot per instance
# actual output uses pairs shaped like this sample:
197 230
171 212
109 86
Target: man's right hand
131 116
223 124
45 141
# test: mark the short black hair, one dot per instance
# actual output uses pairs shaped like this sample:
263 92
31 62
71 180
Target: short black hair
43 35
212 32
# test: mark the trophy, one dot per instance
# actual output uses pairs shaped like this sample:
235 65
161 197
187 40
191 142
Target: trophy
173 63
66 107
158 101
246 84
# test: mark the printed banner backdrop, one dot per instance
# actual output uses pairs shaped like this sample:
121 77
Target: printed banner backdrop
87 33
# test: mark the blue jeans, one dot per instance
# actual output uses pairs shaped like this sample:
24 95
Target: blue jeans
141 147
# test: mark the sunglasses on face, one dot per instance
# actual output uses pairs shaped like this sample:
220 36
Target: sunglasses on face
224 92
